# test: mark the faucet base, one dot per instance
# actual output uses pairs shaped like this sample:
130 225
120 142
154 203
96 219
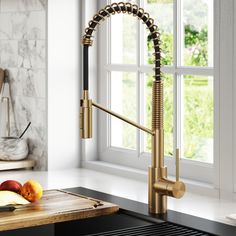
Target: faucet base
157 202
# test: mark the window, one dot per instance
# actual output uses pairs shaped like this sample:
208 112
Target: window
188 73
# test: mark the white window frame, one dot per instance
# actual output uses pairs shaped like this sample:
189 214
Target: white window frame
221 178
189 169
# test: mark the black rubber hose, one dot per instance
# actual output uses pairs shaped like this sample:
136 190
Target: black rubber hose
85 67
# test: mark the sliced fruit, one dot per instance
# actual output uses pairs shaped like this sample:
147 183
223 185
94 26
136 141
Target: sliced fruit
32 191
11 198
11 185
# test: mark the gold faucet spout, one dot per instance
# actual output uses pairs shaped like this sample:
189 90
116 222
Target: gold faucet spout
159 187
125 119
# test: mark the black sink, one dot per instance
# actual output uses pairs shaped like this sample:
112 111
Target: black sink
125 223
180 221
100 224
133 219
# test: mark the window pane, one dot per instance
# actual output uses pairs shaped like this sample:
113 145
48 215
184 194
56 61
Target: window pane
198 118
197 28
123 39
123 101
162 13
168 113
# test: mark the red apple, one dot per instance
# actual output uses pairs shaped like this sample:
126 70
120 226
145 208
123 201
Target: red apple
11 185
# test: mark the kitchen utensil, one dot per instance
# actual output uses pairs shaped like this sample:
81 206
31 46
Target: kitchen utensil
7 208
5 106
25 130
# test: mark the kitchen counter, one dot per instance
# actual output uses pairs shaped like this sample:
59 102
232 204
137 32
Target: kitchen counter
192 204
134 208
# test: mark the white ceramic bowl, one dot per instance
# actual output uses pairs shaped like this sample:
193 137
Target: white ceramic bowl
13 148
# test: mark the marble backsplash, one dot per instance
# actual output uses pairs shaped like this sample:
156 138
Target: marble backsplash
23 53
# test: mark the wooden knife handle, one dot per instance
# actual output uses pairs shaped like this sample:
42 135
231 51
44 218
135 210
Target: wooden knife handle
7 208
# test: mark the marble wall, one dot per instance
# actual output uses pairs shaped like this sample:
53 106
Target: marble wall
23 53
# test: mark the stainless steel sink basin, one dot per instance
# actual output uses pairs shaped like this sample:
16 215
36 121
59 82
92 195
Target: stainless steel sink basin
125 224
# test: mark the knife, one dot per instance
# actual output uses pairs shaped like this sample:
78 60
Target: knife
7 208
13 207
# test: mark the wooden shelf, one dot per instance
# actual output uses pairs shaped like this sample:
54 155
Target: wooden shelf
11 165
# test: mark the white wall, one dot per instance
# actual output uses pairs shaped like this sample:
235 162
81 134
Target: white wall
63 84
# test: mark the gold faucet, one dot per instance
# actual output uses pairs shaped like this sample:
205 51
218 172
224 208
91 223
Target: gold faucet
159 187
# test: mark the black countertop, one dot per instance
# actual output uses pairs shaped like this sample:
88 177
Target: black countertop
129 207
171 216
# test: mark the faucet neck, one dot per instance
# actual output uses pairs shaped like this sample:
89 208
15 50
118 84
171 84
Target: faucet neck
159 186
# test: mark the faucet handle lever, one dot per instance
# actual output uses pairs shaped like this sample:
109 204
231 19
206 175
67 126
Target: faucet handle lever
171 188
177 156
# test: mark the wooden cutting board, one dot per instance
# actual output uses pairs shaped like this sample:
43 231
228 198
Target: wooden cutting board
55 206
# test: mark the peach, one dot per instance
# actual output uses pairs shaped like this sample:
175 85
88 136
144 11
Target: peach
32 191
11 185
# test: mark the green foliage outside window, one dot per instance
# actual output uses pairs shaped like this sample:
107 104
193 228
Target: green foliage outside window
196 43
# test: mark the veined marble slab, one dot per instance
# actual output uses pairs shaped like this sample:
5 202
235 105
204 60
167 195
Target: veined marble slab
23 53
22 5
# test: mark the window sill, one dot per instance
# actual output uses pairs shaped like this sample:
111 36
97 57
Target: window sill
192 186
